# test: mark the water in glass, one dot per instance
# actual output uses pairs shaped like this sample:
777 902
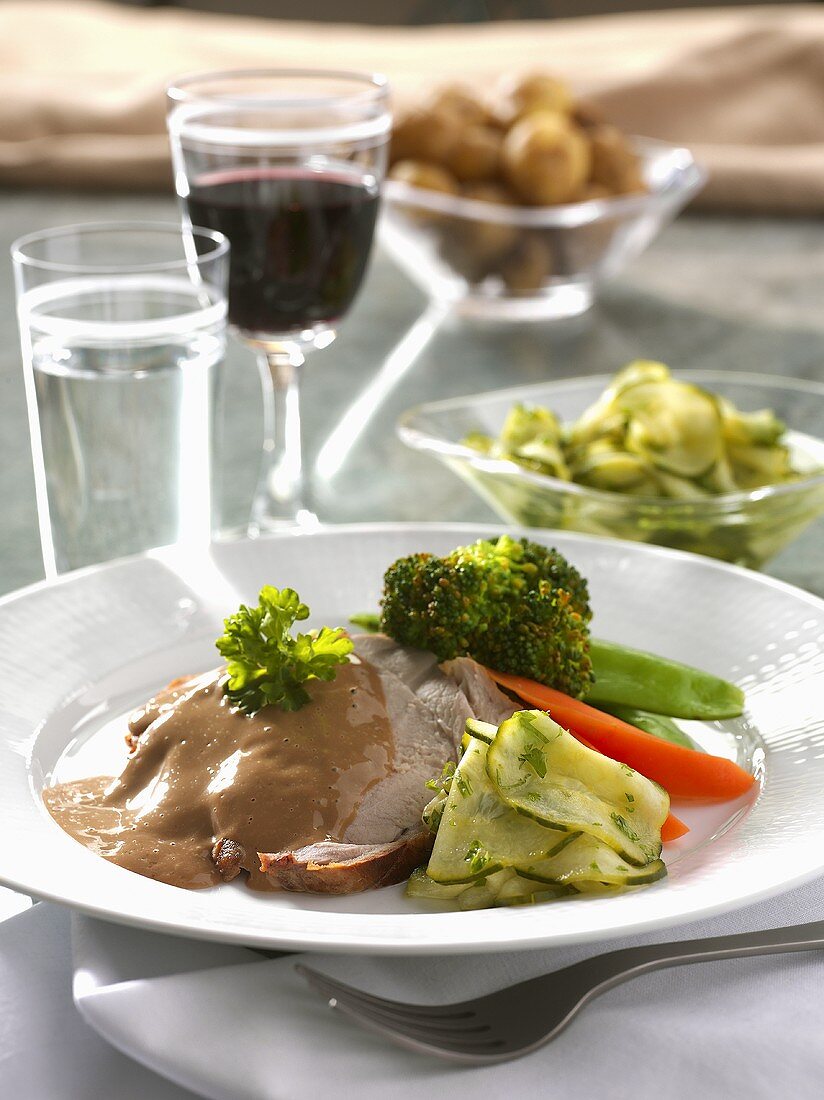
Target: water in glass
123 370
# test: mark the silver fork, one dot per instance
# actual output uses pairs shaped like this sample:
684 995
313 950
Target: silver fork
520 1019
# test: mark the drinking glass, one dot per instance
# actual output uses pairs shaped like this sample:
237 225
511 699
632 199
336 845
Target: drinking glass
288 164
123 329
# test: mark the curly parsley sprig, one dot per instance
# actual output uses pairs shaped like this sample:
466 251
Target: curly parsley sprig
266 664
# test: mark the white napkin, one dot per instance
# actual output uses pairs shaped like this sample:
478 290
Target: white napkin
47 1052
228 1025
233 1026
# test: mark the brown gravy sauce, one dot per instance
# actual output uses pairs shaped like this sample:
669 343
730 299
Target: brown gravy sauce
202 771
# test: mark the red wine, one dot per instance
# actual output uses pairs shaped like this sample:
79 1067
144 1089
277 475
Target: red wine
300 242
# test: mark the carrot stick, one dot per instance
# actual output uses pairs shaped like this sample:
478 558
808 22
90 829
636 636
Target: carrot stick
683 772
673 827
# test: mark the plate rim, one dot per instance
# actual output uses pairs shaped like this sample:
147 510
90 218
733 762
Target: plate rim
494 527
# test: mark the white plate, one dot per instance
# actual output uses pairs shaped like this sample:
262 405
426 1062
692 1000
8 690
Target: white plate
79 654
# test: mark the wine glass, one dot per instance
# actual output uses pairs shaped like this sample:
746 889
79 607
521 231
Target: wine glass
288 164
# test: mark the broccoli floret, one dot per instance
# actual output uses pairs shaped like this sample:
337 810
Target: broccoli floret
513 605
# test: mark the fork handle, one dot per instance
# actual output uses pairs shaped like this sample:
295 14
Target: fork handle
617 966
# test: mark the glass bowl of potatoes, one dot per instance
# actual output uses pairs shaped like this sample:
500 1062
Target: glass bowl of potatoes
516 205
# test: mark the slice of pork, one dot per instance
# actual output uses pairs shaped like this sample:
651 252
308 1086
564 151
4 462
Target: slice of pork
427 712
422 675
486 701
331 868
428 707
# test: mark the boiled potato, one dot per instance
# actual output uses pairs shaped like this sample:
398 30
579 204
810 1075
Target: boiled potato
476 154
425 134
474 247
546 159
528 143
528 266
592 191
614 164
462 101
586 114
539 92
489 239
489 191
429 177
462 253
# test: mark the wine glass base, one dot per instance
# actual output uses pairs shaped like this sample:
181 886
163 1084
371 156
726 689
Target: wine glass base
303 520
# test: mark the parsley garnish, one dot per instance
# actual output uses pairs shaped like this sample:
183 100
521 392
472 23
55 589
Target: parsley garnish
535 757
499 781
266 664
477 857
444 780
464 786
626 828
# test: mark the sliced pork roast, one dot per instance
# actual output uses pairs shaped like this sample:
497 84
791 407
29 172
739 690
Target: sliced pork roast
331 868
486 701
428 706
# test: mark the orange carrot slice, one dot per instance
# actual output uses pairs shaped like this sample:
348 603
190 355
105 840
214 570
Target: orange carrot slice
683 772
673 828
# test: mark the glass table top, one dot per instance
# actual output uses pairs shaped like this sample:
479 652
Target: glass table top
712 292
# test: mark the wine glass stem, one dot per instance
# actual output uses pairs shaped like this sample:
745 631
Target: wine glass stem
280 495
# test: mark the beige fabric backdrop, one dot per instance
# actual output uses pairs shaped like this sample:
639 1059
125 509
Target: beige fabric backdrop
81 83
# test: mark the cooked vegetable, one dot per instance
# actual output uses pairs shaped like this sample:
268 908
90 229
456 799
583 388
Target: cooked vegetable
369 622
539 92
529 265
544 773
517 889
425 134
614 164
511 604
519 607
684 773
494 845
633 678
546 158
269 666
420 885
429 176
649 435
534 435
478 833
673 426
659 725
484 731
588 860
505 887
555 149
672 828
482 241
475 153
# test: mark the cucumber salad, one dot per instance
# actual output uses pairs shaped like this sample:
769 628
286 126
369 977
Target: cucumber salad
531 814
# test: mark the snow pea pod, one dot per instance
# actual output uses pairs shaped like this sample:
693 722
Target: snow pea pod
637 679
659 725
